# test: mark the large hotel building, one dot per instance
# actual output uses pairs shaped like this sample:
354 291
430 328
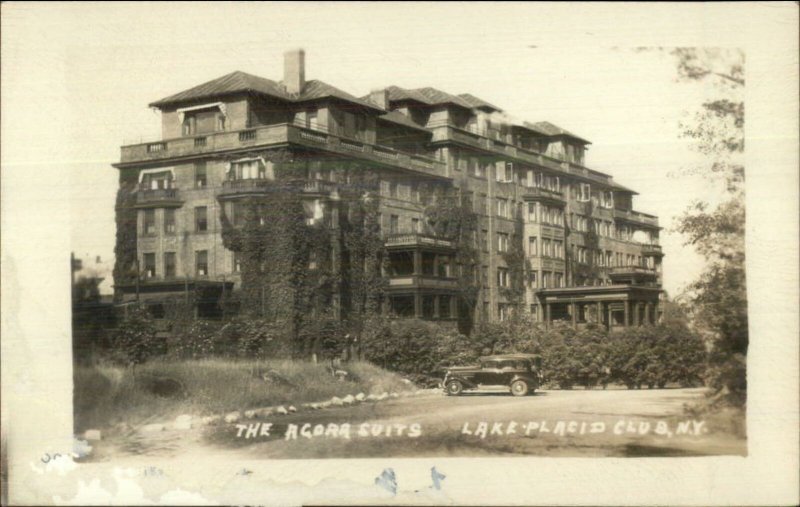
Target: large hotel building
588 255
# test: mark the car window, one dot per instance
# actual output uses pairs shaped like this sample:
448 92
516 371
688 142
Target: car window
489 365
521 365
507 365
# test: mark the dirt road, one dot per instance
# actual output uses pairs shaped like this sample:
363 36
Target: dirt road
550 423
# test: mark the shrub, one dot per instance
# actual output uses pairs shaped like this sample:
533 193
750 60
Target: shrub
253 338
412 346
134 341
195 340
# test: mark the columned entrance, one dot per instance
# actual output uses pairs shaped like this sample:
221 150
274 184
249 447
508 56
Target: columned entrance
611 306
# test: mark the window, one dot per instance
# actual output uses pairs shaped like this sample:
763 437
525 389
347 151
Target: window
546 218
415 225
535 312
200 179
504 171
559 280
546 282
485 240
546 248
394 224
201 219
502 242
312 120
237 262
502 311
533 247
251 170
189 125
392 189
502 277
169 220
532 212
532 280
502 208
149 265
149 225
443 266
201 262
486 205
156 181
169 264
584 192
558 249
607 199
480 169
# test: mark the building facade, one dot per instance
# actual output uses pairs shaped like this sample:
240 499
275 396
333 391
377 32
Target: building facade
550 236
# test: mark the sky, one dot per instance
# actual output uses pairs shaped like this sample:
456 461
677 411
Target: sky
91 69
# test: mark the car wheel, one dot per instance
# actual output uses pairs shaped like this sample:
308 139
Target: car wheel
454 388
519 388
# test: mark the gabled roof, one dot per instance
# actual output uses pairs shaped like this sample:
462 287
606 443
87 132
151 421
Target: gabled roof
428 96
553 130
315 89
401 119
530 127
436 96
238 82
479 103
234 82
397 94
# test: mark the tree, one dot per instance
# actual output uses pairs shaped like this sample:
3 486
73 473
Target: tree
718 297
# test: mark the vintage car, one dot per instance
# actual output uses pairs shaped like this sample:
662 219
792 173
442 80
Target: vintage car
520 372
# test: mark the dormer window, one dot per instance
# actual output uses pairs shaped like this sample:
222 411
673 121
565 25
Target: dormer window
202 119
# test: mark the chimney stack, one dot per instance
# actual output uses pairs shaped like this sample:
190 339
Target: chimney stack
380 98
294 70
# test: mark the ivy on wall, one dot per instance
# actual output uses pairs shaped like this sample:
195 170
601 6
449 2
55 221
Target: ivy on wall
451 216
588 270
518 268
125 271
291 270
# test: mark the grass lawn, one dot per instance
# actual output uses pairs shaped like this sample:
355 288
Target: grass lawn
107 395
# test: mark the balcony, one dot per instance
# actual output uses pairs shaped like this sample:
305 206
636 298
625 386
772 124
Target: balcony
261 186
543 195
279 135
636 217
423 282
652 250
475 138
632 274
417 240
158 198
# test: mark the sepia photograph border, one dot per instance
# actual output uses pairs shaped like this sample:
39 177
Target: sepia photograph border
37 403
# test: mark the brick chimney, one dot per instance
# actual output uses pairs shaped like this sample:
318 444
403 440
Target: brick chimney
380 98
294 70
